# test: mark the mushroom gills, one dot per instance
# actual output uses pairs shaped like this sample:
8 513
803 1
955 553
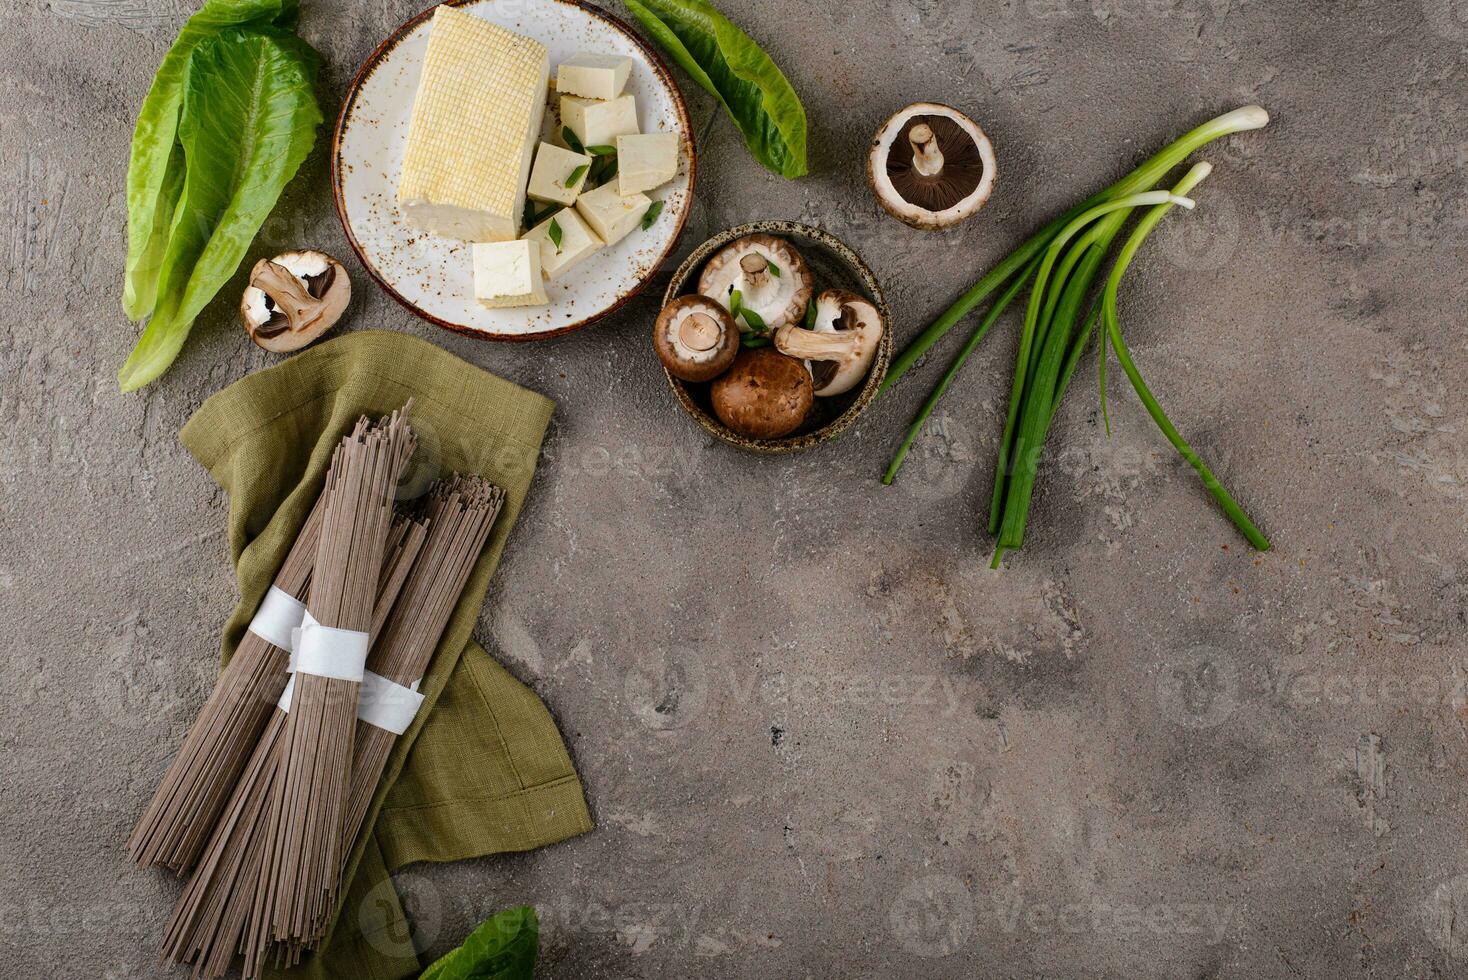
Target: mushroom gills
928 140
770 277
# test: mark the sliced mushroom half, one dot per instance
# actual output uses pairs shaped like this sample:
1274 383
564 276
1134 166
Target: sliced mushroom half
931 166
294 298
695 338
770 277
839 351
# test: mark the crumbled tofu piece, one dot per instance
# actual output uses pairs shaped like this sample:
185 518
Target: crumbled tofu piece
577 242
508 274
554 165
476 120
597 123
593 76
645 161
611 215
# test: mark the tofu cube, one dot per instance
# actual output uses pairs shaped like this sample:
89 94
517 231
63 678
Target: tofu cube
553 165
645 161
611 215
593 76
577 242
476 120
598 123
508 274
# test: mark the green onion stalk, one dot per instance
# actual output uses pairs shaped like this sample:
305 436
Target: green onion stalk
1112 322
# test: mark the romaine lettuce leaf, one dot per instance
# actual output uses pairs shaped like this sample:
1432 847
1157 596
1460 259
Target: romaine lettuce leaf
248 119
502 948
155 169
736 71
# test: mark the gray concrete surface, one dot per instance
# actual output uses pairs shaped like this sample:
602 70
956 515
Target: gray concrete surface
820 737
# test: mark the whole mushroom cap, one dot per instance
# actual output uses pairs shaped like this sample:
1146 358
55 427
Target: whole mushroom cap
695 338
931 166
770 275
764 395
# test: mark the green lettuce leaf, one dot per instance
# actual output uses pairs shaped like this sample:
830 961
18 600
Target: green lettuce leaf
155 169
736 71
248 120
503 948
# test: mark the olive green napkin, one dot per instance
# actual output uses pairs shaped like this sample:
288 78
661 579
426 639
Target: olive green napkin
483 769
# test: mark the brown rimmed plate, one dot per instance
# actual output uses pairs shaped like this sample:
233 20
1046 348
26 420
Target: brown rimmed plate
833 265
432 276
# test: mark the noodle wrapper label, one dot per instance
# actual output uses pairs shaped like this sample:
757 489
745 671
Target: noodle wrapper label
329 652
277 619
387 705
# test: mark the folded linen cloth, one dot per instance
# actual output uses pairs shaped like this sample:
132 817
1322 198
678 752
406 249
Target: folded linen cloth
483 769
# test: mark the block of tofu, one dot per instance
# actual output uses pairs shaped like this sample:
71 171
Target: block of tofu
611 215
508 274
577 242
475 123
554 165
597 123
645 161
593 76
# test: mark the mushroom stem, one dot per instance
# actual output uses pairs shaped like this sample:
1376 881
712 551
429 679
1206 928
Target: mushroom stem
756 269
927 159
699 332
288 293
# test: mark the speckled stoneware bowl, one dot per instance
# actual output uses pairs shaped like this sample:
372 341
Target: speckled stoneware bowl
434 277
833 265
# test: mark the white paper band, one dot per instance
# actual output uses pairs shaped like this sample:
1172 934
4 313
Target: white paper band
387 705
328 652
279 614
380 702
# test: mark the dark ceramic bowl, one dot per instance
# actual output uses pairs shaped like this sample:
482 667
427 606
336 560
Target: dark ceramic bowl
833 265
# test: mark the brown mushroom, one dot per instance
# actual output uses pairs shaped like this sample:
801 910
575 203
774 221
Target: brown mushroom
695 338
931 166
294 298
840 349
773 282
764 395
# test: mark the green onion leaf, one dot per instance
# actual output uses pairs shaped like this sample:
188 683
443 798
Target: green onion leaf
753 340
736 298
774 269
601 150
572 142
554 233
577 174
651 214
810 315
754 320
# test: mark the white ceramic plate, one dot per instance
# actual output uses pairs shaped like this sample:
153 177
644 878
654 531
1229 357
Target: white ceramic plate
434 276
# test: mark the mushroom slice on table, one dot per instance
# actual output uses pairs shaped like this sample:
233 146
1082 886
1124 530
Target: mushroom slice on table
294 298
770 276
931 166
840 349
696 338
764 395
